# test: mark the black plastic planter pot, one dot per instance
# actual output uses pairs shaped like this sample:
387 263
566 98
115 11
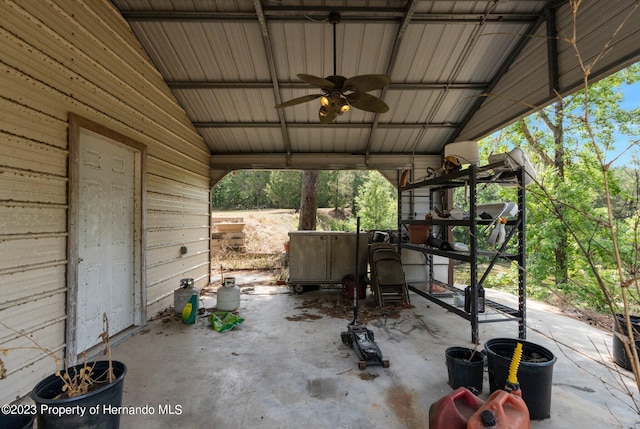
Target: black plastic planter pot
619 353
14 421
535 376
88 411
465 368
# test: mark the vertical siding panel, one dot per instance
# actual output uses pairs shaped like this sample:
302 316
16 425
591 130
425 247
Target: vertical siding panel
72 56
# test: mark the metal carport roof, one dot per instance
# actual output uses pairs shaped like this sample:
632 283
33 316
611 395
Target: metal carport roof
459 70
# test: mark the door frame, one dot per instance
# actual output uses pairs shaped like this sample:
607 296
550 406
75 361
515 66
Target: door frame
76 123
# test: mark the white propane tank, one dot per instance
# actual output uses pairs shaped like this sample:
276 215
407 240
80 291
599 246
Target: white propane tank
182 295
228 295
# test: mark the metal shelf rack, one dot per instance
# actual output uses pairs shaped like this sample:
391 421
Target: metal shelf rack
450 296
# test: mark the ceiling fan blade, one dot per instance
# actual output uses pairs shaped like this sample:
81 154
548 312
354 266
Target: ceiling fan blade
318 82
366 82
298 100
367 102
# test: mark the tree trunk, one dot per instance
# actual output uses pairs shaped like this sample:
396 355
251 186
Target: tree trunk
562 262
555 124
308 201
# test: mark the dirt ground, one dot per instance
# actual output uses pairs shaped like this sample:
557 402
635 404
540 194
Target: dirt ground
266 231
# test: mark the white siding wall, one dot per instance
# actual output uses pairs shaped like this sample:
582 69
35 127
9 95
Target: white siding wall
59 57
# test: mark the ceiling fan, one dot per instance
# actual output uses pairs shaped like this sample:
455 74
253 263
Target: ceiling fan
339 93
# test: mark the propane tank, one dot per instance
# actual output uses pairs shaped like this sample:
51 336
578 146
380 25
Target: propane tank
454 410
228 295
182 295
504 409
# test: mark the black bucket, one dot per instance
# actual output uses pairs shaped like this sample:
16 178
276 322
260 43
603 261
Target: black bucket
94 403
535 376
16 421
619 353
465 368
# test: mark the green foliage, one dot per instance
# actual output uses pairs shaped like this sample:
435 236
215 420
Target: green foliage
377 203
336 188
330 223
375 196
283 189
566 208
240 189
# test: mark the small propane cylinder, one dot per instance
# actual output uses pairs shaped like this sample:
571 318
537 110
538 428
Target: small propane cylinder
228 295
182 295
454 410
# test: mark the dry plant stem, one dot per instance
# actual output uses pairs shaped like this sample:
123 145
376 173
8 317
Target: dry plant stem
79 382
612 389
556 206
36 346
107 342
629 341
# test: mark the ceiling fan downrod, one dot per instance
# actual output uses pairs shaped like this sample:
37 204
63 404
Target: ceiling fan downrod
334 18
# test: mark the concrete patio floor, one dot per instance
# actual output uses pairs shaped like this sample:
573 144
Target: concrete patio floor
285 366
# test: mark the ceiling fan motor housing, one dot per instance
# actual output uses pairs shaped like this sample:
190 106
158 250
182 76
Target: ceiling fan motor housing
334 17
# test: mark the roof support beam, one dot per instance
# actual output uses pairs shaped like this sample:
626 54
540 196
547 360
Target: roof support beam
179 85
272 71
400 125
303 14
313 161
406 20
552 52
504 68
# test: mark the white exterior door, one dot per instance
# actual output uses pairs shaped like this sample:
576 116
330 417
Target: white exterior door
106 181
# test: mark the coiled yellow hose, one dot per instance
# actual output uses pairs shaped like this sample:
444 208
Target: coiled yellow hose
515 363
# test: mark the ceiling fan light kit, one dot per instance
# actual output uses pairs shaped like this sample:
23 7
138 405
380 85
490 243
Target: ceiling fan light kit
340 94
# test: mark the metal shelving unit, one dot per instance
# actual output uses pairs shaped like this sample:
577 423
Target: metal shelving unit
452 297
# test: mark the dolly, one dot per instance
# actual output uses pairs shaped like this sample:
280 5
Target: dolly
357 335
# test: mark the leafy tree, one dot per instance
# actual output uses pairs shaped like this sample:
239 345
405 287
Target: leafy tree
570 170
377 203
336 188
282 189
240 189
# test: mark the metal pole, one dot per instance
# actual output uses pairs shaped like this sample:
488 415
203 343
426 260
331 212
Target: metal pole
356 281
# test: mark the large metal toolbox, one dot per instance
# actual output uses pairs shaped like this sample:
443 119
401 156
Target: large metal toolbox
321 257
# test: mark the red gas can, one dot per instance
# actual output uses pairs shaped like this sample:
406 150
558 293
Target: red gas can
502 410
454 410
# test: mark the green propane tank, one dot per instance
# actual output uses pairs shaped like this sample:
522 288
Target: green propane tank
182 295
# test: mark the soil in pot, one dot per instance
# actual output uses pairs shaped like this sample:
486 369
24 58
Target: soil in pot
535 374
88 411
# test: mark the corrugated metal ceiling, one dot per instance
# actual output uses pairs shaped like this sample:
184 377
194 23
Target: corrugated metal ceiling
459 69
